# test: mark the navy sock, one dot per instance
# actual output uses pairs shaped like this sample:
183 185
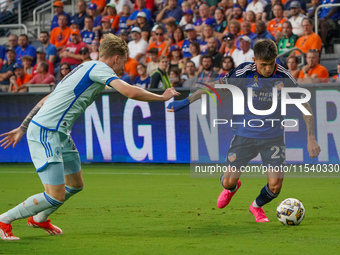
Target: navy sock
266 195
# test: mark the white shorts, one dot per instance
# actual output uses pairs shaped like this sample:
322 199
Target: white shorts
51 147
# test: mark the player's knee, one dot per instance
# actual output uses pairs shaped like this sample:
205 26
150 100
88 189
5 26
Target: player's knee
58 196
275 187
229 182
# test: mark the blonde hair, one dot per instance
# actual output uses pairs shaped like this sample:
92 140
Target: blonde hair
186 4
162 57
113 45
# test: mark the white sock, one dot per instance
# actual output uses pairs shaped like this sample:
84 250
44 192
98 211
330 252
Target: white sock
255 205
5 219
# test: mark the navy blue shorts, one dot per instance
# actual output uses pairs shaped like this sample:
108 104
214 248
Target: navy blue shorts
243 149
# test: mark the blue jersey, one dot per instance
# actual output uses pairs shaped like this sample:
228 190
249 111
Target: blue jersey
185 48
88 36
122 23
246 76
142 83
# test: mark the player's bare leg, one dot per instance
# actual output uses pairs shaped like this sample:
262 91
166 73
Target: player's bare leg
74 184
231 183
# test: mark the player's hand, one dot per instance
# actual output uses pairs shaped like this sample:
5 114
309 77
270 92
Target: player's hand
175 106
170 93
11 137
313 148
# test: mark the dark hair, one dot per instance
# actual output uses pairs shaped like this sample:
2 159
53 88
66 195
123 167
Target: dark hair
196 45
207 56
89 17
60 75
24 35
280 4
140 64
265 49
309 21
231 60
192 62
161 28
176 71
172 35
171 23
294 57
45 32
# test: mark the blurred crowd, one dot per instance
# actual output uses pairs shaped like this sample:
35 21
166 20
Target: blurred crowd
174 43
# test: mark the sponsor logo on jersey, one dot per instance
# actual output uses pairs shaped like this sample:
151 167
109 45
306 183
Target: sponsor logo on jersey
231 156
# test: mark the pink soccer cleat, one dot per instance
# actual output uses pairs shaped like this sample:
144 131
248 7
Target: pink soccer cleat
6 232
258 213
225 196
47 226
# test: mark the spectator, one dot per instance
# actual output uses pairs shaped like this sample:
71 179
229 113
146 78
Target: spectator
27 64
246 54
195 51
114 18
250 16
138 46
100 4
228 46
292 63
73 25
24 49
143 80
245 30
227 66
220 24
208 33
2 53
216 55
296 18
141 8
204 18
7 69
143 24
120 4
41 56
79 17
7 11
64 69
175 56
233 27
92 11
87 34
106 25
85 54
131 68
51 50
124 16
170 28
61 34
13 43
288 40
191 37
149 4
170 12
160 43
212 5
160 78
328 17
208 74
175 77
268 14
309 40
261 33
243 4
191 78
236 14
188 17
336 78
275 25
196 7
18 81
58 10
177 37
257 7
313 72
153 64
125 35
94 55
71 52
42 76
125 77
287 6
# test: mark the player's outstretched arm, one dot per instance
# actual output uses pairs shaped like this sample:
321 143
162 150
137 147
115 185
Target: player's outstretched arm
181 104
312 146
14 136
140 94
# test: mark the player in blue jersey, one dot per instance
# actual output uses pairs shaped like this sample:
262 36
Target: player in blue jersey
248 142
48 127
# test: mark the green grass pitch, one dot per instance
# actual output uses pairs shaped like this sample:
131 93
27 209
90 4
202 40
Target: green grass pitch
160 209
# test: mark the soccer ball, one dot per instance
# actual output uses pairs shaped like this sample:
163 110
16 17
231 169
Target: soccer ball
290 212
